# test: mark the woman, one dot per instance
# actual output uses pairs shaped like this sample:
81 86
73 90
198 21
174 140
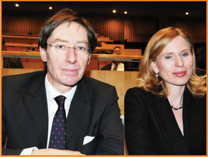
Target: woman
166 113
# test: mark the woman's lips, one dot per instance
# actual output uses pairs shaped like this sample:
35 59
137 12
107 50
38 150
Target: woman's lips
180 73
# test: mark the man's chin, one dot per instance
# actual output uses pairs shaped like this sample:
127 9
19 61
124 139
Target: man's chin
71 83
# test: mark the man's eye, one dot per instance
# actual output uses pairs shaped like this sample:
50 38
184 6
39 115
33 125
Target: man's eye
59 46
80 48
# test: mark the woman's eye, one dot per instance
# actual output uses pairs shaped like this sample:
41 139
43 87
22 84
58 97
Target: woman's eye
168 57
184 54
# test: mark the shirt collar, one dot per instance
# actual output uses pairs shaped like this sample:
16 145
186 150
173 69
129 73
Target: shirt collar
52 92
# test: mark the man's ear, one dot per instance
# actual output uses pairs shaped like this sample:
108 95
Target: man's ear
43 55
89 58
154 67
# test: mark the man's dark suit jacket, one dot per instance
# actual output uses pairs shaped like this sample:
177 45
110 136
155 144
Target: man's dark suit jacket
108 67
151 128
94 112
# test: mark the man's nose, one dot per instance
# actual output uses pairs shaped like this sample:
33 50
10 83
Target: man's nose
71 55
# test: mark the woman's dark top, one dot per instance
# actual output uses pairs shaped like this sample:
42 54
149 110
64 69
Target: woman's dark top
151 128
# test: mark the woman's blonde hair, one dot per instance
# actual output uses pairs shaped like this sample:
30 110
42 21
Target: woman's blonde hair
147 77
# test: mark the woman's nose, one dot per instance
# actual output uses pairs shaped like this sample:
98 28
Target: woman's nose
179 62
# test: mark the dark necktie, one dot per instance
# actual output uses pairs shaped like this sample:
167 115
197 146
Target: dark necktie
58 131
115 67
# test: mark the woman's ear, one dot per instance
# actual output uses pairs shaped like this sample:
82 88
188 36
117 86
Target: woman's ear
154 67
43 55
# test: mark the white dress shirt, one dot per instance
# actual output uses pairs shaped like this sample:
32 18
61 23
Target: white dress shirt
51 93
120 66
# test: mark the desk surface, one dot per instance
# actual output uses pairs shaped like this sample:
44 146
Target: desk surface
100 39
19 37
104 40
22 45
35 54
36 46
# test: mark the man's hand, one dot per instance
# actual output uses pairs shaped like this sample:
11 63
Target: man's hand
55 152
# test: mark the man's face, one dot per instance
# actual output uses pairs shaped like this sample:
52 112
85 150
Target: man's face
117 51
66 67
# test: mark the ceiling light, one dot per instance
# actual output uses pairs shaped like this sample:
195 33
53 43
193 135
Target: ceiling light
114 11
16 5
187 13
50 8
125 12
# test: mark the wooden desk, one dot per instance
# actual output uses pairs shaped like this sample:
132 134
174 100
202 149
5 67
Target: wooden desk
36 46
19 37
100 39
22 45
104 39
110 57
111 46
103 49
131 52
31 59
21 54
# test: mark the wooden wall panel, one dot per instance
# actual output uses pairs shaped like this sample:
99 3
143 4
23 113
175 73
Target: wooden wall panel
134 29
139 30
195 28
22 24
108 27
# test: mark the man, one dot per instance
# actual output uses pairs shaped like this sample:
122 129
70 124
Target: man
35 104
115 65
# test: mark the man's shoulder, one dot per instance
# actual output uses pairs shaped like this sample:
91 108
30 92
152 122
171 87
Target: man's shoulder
94 83
22 78
95 87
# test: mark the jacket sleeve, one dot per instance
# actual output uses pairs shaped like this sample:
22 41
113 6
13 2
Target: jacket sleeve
137 126
111 128
6 151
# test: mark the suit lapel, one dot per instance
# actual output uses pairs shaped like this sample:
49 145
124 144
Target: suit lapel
169 125
35 98
79 109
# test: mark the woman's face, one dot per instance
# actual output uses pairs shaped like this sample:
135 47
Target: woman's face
175 63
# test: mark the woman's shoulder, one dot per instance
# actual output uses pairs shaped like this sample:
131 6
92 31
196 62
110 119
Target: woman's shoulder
188 95
201 100
138 93
137 90
139 99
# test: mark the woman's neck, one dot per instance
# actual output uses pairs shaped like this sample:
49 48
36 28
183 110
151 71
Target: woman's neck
175 96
